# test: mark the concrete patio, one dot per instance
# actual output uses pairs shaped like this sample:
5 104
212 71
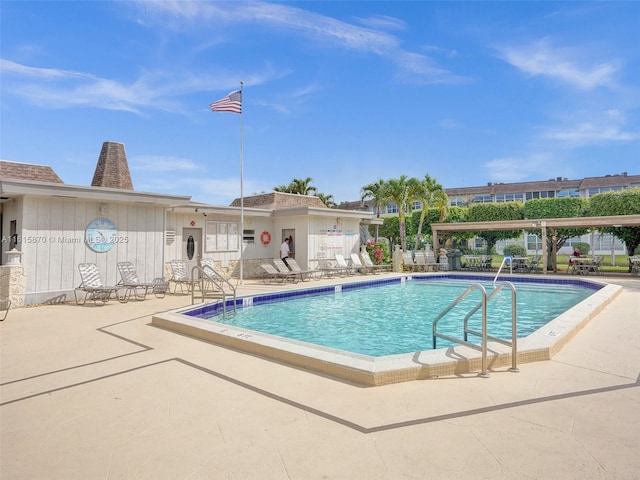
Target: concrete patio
97 392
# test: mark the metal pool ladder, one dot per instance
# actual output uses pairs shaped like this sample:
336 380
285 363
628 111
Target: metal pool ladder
212 285
483 334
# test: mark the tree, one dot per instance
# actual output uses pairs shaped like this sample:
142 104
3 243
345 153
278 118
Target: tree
402 191
299 186
566 207
431 194
375 192
488 212
327 200
624 202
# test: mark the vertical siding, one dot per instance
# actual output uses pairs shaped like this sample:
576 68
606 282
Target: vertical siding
59 226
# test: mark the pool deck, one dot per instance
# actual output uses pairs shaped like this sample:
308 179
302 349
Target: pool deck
98 392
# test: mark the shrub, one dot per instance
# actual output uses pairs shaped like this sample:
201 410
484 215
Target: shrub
379 252
583 246
515 250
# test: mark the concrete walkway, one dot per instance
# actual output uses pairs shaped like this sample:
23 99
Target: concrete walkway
98 393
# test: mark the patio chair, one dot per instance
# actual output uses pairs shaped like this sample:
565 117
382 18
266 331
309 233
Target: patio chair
409 264
329 269
359 266
420 260
534 264
366 259
180 277
272 275
304 274
93 288
432 263
485 263
596 263
342 263
132 285
5 306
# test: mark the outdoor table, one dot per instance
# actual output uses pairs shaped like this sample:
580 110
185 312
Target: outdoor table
582 264
520 264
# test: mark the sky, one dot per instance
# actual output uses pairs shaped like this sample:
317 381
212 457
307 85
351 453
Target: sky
343 92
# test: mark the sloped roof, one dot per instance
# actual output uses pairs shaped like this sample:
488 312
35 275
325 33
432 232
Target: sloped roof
28 171
620 180
279 200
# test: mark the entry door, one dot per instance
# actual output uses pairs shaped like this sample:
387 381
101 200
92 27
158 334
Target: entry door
191 247
290 232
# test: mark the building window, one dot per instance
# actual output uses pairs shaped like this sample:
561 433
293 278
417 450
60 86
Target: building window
569 193
534 242
509 197
392 208
483 199
416 205
222 236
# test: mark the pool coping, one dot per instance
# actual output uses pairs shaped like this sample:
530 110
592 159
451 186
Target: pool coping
375 371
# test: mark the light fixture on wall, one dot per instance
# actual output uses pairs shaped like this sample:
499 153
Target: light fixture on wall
104 209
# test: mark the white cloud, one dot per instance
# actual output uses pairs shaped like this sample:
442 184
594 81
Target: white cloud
414 66
565 64
151 90
605 128
383 22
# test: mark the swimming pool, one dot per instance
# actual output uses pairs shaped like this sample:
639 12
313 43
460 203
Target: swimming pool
415 362
396 317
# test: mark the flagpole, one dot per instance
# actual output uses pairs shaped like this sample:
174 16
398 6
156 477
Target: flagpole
241 188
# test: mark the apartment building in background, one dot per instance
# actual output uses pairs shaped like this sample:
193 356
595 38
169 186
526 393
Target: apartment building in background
558 187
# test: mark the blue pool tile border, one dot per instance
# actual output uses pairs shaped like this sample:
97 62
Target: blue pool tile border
214 309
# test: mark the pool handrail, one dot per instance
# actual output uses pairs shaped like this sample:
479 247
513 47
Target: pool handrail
514 324
483 347
483 334
506 259
210 275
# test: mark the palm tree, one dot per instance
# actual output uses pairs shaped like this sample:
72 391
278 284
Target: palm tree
430 194
302 186
327 200
376 192
402 192
298 186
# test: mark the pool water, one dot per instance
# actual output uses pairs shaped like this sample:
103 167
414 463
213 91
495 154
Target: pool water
396 318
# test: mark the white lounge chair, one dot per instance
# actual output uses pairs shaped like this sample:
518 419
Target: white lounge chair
179 276
129 280
409 264
342 263
93 288
432 263
273 275
420 261
329 269
304 274
359 266
366 259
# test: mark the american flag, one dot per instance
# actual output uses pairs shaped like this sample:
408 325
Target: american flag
231 103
